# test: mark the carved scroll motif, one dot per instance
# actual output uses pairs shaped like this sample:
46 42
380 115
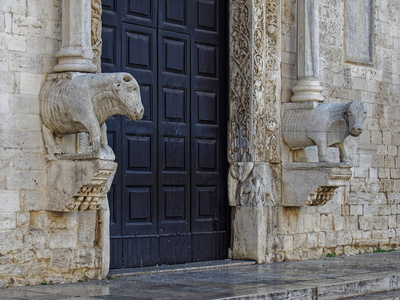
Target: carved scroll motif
240 77
255 81
96 33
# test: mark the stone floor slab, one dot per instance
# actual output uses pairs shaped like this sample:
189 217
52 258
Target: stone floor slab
329 278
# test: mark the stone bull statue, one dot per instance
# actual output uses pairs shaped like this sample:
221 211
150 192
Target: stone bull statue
327 125
82 103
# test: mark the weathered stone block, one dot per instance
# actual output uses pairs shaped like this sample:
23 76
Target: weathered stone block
87 228
14 270
24 257
249 233
63 220
312 239
83 258
344 238
287 242
8 220
300 241
63 239
36 239
60 258
331 239
9 201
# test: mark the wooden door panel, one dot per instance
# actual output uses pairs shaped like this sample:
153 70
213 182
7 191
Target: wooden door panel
168 200
141 251
207 15
175 15
208 161
141 12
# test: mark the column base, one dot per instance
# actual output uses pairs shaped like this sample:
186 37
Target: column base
75 59
307 90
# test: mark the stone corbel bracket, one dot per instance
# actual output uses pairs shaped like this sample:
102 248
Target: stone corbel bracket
78 185
312 184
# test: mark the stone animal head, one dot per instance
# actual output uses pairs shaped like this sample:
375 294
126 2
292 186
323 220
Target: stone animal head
126 88
355 115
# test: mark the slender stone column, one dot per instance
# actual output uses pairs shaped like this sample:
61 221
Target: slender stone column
76 52
308 87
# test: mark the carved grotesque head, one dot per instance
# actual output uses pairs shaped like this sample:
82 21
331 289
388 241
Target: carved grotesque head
355 115
127 90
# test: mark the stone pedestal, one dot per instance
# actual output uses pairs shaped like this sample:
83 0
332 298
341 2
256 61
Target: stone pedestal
249 227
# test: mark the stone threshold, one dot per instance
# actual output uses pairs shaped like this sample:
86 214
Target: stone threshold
215 264
374 288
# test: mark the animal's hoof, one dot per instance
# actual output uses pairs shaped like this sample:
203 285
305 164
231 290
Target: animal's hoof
345 159
107 153
324 158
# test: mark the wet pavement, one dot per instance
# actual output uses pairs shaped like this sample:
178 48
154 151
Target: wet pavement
328 278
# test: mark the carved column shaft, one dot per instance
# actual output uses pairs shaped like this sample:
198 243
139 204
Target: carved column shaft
308 87
254 81
76 53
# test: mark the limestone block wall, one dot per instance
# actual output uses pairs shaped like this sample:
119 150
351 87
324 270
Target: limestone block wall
35 245
366 215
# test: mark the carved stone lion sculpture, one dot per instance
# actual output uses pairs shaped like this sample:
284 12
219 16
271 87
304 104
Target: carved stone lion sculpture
77 102
327 125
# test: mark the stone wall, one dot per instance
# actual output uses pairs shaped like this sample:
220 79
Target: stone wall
366 214
35 245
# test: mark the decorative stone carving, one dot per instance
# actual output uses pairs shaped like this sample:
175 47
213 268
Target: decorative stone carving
251 184
76 102
78 185
312 184
96 33
308 124
255 81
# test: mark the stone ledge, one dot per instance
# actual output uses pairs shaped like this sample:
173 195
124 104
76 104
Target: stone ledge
78 185
312 184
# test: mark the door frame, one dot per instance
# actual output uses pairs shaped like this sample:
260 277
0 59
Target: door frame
254 29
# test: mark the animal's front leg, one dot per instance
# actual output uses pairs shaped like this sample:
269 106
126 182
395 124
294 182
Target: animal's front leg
106 150
344 157
50 143
322 149
93 128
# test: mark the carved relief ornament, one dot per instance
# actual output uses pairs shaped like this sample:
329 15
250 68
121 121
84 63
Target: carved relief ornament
254 81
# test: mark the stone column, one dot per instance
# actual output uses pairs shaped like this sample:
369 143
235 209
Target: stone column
76 53
308 87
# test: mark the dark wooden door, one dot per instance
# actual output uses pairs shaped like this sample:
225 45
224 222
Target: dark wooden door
168 202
